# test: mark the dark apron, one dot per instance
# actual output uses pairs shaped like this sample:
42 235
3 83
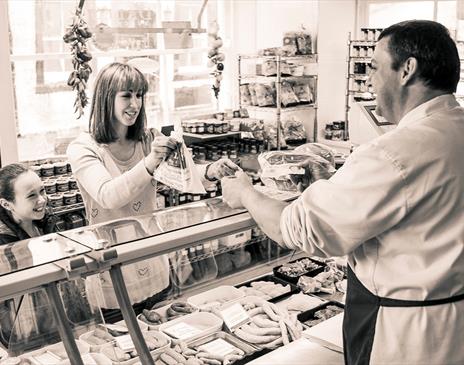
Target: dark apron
361 308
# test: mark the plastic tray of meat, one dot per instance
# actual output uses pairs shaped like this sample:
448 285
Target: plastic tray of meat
291 271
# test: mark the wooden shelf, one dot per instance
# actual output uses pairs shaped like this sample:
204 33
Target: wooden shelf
282 109
311 57
259 78
205 137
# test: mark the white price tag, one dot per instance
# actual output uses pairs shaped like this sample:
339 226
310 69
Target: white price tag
234 315
88 360
182 330
125 343
218 347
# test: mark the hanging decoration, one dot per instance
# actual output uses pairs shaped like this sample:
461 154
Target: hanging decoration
216 58
77 36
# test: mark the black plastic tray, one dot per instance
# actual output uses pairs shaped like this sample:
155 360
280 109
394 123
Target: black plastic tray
309 314
293 288
252 356
294 279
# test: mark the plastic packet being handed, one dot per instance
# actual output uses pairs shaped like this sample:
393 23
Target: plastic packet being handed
178 171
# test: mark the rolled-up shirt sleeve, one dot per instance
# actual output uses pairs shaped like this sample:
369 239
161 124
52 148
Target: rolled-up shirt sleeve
363 199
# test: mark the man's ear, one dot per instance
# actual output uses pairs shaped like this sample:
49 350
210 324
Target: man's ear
4 203
408 70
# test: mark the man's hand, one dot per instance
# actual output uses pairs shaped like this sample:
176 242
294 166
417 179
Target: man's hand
221 168
233 188
315 169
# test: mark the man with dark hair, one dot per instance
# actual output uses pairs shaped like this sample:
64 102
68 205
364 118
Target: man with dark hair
396 208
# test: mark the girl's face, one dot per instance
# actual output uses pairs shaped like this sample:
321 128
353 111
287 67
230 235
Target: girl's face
127 105
30 198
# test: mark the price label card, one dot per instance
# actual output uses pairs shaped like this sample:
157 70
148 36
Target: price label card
88 360
218 347
234 315
125 343
182 330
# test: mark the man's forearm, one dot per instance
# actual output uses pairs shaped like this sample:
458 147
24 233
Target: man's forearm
265 211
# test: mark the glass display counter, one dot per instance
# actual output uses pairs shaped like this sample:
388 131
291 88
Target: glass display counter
47 309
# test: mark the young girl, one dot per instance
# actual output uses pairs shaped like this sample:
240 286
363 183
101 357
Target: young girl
114 164
28 320
22 204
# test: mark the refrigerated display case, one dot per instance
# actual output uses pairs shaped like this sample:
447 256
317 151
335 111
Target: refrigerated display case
216 233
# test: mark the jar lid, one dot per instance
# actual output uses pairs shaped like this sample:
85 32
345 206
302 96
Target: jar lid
60 164
69 195
46 166
56 197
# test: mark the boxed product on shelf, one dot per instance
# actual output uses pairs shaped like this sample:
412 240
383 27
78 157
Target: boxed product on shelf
292 271
321 313
268 287
192 326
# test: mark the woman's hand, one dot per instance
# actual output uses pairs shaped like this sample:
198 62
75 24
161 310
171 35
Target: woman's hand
161 148
221 168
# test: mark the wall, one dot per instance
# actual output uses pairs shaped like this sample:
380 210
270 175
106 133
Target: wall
261 23
8 147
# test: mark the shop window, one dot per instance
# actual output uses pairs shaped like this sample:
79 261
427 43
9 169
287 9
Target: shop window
180 84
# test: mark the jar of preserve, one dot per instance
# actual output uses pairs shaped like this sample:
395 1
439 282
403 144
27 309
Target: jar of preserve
225 126
214 153
201 154
70 198
79 197
55 200
60 168
47 170
72 183
62 185
50 187
209 126
211 191
36 169
200 127
218 127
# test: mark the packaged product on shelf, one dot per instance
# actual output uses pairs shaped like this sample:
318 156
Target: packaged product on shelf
287 95
303 92
303 42
254 98
294 130
268 68
265 94
255 126
178 170
270 134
